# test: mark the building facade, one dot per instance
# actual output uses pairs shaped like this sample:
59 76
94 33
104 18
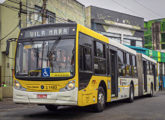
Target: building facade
154 37
155 28
11 21
123 28
57 11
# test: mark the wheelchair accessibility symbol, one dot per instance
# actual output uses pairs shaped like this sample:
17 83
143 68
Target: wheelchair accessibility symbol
45 72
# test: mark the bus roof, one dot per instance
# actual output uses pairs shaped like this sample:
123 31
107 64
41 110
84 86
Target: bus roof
122 47
148 58
92 33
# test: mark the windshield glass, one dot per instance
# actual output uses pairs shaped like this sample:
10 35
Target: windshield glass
52 58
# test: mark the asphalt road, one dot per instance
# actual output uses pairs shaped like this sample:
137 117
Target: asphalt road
144 108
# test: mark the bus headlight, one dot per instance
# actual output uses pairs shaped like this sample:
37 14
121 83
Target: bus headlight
69 86
18 86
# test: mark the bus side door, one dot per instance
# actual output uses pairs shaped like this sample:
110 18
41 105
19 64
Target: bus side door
114 72
145 75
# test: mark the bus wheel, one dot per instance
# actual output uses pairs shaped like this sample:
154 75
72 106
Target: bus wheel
99 107
152 92
131 94
51 107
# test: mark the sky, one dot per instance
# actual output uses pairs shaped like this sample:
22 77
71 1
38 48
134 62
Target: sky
147 9
1 1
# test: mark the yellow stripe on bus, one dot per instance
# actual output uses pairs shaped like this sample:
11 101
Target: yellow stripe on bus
64 74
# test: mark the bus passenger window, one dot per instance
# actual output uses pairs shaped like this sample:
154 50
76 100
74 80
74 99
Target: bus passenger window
148 68
121 65
99 60
99 49
108 61
130 68
128 60
85 60
134 69
128 65
81 58
151 69
85 52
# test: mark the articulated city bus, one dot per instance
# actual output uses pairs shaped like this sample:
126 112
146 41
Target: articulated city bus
69 64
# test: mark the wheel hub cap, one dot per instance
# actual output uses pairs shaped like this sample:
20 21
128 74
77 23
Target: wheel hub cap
101 99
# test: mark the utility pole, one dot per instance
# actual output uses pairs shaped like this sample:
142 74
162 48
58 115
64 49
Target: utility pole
156 36
44 12
156 39
19 14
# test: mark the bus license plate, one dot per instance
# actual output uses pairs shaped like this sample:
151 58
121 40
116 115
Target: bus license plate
42 96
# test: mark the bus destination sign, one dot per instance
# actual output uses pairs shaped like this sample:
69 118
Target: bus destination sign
47 32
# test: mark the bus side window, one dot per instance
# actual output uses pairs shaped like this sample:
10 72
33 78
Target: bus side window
127 64
135 68
81 64
121 65
108 61
85 53
131 64
99 58
163 69
148 67
151 69
87 59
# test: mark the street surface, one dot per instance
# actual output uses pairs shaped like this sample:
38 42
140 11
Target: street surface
144 108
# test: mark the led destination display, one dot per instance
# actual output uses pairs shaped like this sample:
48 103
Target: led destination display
34 33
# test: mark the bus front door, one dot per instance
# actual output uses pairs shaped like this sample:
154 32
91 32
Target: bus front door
113 68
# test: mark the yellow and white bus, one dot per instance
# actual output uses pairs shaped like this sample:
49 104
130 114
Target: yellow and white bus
69 64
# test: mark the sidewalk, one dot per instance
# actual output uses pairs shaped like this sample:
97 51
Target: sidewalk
161 92
7 104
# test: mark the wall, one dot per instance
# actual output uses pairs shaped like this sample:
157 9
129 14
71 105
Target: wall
65 9
148 33
8 23
88 17
121 27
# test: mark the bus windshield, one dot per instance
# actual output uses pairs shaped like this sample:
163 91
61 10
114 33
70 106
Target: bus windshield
50 58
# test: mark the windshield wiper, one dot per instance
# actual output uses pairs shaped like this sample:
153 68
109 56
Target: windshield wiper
56 42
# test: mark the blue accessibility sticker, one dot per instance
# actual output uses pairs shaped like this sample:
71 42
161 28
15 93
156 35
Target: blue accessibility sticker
45 72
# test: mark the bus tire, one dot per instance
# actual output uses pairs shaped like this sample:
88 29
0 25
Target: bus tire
99 107
51 107
151 91
131 94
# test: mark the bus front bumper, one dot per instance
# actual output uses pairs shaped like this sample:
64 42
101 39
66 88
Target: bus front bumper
57 98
